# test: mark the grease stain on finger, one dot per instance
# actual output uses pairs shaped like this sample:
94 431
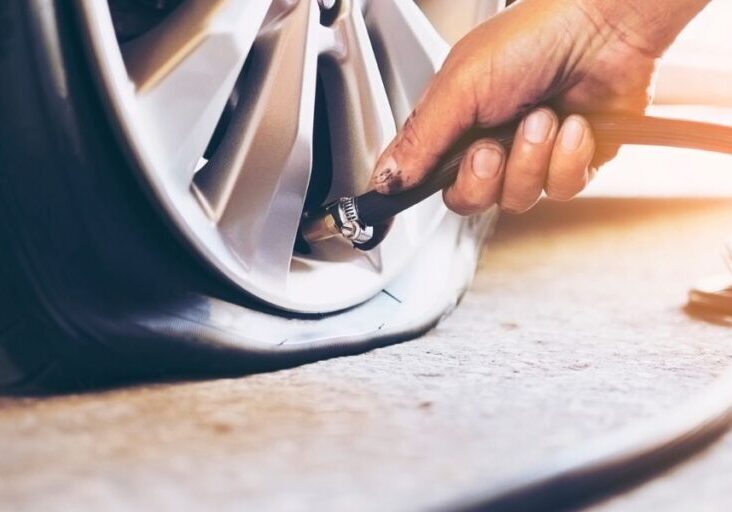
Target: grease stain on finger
385 172
396 183
392 183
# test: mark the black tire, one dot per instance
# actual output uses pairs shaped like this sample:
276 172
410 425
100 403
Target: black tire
88 264
81 245
97 289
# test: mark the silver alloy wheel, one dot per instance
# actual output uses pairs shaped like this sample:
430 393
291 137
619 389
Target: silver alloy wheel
266 61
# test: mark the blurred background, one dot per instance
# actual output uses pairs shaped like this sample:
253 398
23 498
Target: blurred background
694 82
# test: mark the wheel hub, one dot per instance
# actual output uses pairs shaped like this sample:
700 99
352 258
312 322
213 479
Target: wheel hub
233 177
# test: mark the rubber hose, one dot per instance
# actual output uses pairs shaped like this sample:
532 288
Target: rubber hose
610 132
628 458
615 463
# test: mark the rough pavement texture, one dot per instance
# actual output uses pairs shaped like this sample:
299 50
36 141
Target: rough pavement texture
573 328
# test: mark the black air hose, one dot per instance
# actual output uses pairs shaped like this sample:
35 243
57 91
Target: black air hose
610 132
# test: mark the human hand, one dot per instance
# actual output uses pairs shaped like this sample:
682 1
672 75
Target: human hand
532 60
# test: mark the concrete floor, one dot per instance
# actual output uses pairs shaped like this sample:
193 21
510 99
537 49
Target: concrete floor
573 328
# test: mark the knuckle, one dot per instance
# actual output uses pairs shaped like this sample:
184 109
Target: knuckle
526 186
411 140
562 194
520 196
463 204
410 132
529 163
565 189
513 206
534 172
519 203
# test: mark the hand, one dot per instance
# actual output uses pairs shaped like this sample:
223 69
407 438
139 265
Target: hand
530 61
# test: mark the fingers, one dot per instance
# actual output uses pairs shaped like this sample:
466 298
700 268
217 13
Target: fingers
479 180
569 168
526 171
545 156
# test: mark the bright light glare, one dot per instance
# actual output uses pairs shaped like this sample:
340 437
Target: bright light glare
697 69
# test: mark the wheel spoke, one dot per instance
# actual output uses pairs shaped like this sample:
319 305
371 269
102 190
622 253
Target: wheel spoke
408 48
360 117
184 71
255 185
240 81
409 52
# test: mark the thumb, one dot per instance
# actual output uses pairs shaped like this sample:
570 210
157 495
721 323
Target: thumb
444 113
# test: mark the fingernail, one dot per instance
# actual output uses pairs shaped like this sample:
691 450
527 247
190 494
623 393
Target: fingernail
537 127
572 134
487 162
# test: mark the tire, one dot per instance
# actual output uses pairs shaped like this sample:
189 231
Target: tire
99 286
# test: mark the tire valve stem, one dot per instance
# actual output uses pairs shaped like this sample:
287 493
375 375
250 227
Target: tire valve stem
338 219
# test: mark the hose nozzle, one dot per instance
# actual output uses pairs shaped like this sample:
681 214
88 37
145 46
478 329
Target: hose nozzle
364 220
340 218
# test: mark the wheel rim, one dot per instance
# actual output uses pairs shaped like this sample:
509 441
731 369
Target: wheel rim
243 83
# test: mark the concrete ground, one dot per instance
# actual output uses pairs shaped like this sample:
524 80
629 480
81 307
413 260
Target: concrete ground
572 328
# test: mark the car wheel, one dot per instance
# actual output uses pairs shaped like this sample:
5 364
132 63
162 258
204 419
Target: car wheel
160 154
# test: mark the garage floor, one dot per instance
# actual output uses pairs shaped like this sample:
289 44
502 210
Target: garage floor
573 328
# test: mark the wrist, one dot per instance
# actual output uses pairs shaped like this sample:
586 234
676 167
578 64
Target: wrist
646 26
